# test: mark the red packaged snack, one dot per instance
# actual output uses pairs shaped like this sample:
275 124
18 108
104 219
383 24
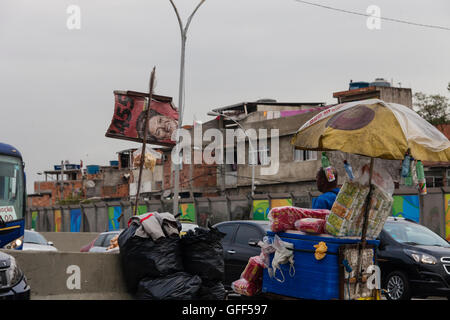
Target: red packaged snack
246 288
311 225
254 269
316 213
283 218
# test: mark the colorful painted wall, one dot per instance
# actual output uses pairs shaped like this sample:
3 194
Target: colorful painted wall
75 220
113 216
261 208
406 206
187 211
447 216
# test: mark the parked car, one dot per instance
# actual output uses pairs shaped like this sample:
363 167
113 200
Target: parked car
239 244
102 242
86 247
35 241
186 226
13 283
414 261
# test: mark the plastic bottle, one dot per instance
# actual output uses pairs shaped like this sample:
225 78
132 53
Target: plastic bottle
409 180
406 166
327 168
349 170
421 178
414 172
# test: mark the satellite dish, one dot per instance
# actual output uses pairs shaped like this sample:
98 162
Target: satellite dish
166 193
90 184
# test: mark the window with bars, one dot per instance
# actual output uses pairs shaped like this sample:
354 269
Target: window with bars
434 179
304 155
260 156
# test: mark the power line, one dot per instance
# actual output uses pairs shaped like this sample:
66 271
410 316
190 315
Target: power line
368 15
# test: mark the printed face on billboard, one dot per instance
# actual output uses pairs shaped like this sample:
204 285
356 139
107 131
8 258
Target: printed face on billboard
128 121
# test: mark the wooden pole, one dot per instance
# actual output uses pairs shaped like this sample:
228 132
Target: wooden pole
144 141
141 164
362 245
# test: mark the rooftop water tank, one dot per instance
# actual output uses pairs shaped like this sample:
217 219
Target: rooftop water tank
357 85
92 169
380 82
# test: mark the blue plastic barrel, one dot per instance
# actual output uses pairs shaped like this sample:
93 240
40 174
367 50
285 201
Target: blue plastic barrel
92 169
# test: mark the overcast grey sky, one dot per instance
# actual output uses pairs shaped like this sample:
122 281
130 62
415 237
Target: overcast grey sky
57 84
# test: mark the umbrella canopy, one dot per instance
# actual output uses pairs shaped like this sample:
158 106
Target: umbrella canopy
373 128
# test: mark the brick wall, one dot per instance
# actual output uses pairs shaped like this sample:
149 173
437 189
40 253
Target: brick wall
72 189
43 201
203 176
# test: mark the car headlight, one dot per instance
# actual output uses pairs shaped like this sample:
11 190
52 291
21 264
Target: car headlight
13 274
421 257
15 243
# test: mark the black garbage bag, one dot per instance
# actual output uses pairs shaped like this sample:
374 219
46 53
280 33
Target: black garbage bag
143 257
212 291
203 253
177 286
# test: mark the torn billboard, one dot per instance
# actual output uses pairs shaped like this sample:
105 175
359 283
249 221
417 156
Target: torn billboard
128 119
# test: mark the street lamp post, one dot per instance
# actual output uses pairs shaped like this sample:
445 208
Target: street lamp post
252 147
183 31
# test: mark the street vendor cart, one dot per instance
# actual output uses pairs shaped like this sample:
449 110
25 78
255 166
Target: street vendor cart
342 263
324 279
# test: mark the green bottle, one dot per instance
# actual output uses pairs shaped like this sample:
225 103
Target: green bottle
327 168
421 178
325 161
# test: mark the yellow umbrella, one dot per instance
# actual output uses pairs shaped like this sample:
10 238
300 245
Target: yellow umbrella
373 128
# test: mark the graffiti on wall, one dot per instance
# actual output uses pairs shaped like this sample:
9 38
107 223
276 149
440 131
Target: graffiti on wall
260 209
406 206
58 220
75 220
34 217
281 203
187 211
113 216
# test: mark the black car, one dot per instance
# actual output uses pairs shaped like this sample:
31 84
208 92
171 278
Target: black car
239 244
414 261
13 284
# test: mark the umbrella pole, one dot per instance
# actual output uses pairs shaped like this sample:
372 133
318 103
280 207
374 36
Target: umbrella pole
362 245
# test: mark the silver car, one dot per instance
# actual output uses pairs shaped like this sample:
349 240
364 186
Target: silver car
34 241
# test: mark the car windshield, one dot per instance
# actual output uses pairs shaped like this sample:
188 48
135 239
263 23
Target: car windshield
108 238
414 234
34 237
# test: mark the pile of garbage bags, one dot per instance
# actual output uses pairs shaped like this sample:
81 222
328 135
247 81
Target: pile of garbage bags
158 264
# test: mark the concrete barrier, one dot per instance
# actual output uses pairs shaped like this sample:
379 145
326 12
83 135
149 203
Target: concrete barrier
72 275
70 241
